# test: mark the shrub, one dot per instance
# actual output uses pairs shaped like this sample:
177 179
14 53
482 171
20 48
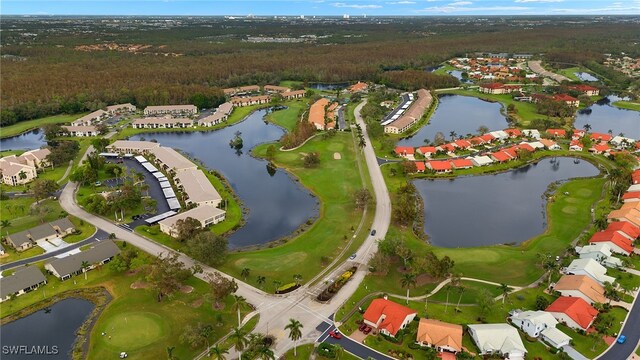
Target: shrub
326 350
286 288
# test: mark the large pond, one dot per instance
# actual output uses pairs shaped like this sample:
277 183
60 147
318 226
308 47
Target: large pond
603 116
30 140
51 331
462 114
505 208
585 76
328 86
277 204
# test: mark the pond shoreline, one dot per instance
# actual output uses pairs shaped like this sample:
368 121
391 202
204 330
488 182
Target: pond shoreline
99 296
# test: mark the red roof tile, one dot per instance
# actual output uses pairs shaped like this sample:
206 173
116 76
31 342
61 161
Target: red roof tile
461 163
448 147
439 165
576 308
501 156
420 166
525 146
487 137
463 144
626 227
404 150
427 149
394 314
564 97
513 132
631 195
601 137
613 237
557 132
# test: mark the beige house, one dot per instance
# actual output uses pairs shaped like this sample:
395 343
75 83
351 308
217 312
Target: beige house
205 214
171 161
412 115
99 254
242 90
276 89
296 94
90 119
161 123
119 108
18 170
197 188
252 100
132 147
173 110
24 280
26 239
81 131
440 335
213 119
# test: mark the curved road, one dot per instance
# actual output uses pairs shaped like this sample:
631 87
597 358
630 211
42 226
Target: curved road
275 310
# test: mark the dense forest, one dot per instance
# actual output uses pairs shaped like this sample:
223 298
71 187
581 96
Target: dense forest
191 59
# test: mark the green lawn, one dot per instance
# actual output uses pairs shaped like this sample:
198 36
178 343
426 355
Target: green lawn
571 72
629 105
23 126
333 182
134 321
470 294
289 117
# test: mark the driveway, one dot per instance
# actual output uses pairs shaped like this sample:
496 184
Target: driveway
352 346
536 67
631 330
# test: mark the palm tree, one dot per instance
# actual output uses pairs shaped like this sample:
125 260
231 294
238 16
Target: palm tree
245 273
276 284
5 223
453 135
505 291
295 334
297 278
586 127
22 175
339 350
218 353
455 280
238 303
239 340
170 352
85 266
265 353
261 280
550 266
408 280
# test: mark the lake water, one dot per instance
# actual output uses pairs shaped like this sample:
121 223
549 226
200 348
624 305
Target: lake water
462 114
328 86
584 76
277 203
494 209
458 75
30 140
53 330
602 116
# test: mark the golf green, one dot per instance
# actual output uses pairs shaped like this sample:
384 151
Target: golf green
134 330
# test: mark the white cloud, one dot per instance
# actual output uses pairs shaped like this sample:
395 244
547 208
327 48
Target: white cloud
460 3
356 6
401 3
461 9
538 1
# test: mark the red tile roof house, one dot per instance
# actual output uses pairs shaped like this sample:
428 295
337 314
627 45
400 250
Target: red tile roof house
633 196
587 90
420 167
575 145
500 156
487 138
526 146
448 148
513 132
498 88
462 144
625 229
557 132
618 243
578 134
569 100
635 177
427 151
387 316
600 149
461 163
573 311
439 166
404 151
601 137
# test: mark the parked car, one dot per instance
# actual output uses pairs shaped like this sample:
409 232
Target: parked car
367 330
335 334
621 339
353 256
373 232
362 327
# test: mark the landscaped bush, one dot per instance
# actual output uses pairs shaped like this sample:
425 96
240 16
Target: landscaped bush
286 288
326 350
332 289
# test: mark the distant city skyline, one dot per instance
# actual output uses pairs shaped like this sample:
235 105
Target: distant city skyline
321 7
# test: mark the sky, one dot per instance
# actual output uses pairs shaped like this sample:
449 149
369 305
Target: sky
320 7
